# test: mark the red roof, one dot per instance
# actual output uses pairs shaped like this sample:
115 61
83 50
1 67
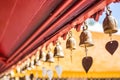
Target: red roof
26 25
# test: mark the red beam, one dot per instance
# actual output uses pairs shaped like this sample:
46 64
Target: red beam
49 30
41 28
38 31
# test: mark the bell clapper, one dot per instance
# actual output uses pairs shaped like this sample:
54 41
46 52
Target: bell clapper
108 11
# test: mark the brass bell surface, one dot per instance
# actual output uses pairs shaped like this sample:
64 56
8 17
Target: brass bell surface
42 55
58 51
22 67
32 62
109 23
37 56
18 69
25 65
71 42
86 38
28 62
49 57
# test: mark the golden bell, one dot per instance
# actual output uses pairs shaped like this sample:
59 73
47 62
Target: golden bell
37 56
33 61
28 63
22 67
18 69
109 23
58 51
42 55
71 43
25 65
49 57
86 37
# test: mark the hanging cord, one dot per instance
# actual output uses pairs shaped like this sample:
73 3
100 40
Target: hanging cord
71 55
108 11
43 62
110 35
49 64
85 27
86 50
70 34
49 51
58 43
58 60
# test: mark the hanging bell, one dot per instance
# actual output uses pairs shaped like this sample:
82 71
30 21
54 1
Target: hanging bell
58 51
49 57
25 65
42 55
18 69
37 56
86 37
71 43
33 61
28 63
109 23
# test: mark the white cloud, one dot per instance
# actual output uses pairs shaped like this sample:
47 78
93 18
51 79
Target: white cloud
96 27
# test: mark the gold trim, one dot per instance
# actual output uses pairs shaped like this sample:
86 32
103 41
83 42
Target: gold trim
75 74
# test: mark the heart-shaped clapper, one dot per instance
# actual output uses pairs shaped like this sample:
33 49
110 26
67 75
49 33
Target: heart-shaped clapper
87 63
58 69
111 46
50 74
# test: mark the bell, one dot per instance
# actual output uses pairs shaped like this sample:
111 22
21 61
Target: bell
58 51
71 43
37 56
18 69
42 55
109 23
24 65
28 63
86 37
49 57
33 61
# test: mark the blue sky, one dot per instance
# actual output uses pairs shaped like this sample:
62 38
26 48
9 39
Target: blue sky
115 7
